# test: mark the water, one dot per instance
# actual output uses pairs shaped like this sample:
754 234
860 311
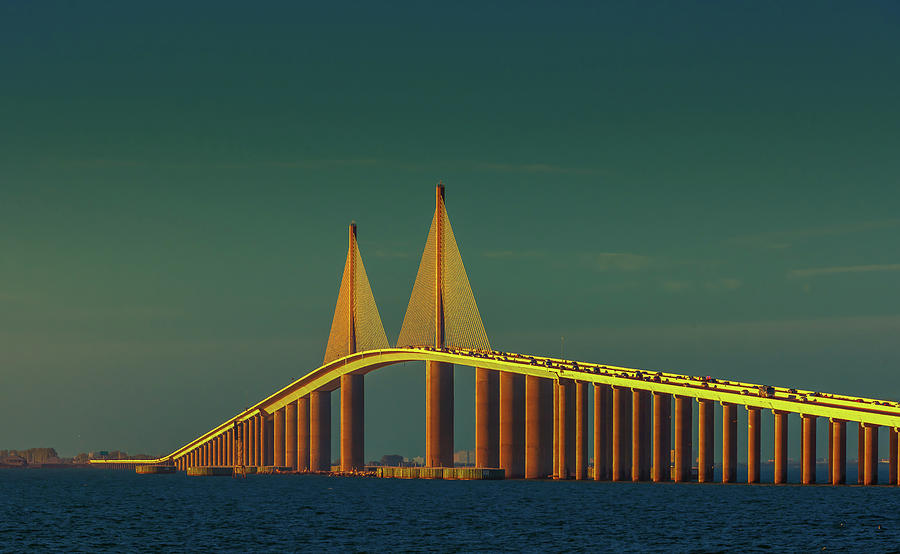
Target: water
95 510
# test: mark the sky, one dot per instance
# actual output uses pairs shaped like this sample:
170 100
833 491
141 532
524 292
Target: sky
708 188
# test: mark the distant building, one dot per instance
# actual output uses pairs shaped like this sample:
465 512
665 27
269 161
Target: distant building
464 458
14 460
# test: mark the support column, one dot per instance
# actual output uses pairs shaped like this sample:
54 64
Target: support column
278 432
352 422
244 443
538 435
290 436
892 455
781 446
581 433
640 435
512 424
439 414
487 418
556 430
320 431
830 450
753 445
621 439
871 473
566 419
706 439
729 442
838 452
602 455
808 452
682 439
662 436
251 441
547 431
263 439
303 434
861 454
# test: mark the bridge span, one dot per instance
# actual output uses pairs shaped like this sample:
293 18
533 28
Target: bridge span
531 412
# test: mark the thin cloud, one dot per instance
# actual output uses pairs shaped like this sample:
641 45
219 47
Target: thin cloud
536 168
676 286
513 254
618 261
816 271
778 240
726 284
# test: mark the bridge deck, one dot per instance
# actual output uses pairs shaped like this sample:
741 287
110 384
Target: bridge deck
804 402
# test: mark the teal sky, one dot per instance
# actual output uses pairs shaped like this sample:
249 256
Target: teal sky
705 187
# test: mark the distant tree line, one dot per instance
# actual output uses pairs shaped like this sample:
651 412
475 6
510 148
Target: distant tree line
49 455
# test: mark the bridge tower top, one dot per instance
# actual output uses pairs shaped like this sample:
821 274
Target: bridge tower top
356 325
442 309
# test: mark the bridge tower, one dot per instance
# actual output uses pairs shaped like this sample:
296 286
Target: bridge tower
442 314
356 326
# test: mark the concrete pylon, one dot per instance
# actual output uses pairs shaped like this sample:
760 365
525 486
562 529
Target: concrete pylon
512 424
640 435
439 375
565 419
662 436
278 433
871 451
838 452
808 449
487 418
303 434
753 446
621 434
781 446
538 430
602 432
729 442
290 436
705 440
683 435
320 430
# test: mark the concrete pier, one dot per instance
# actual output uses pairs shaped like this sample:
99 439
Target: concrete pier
683 439
438 414
753 443
729 442
555 430
861 454
781 446
512 424
621 439
838 452
581 430
640 435
706 433
602 432
871 455
892 455
487 417
352 422
566 420
808 452
320 431
662 437
538 435
278 435
290 435
303 434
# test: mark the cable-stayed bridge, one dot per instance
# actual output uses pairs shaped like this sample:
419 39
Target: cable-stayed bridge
531 412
